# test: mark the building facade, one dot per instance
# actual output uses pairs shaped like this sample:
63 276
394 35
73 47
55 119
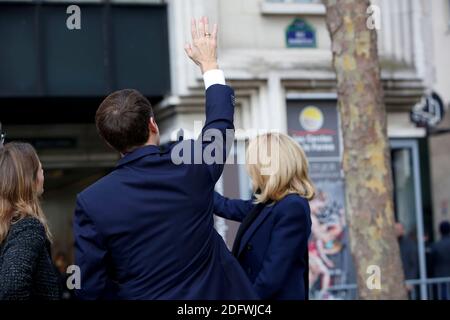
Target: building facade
276 83
275 53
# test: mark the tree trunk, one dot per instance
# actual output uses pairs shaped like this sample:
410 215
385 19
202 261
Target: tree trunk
366 159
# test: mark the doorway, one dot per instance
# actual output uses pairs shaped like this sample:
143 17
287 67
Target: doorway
408 204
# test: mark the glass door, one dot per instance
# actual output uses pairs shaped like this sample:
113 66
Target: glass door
409 212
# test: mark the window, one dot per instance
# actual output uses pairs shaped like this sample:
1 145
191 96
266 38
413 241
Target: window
305 7
295 1
448 4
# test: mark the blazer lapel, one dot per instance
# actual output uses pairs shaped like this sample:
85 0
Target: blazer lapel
251 230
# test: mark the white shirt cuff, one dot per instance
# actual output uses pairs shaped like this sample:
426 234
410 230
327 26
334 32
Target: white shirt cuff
212 77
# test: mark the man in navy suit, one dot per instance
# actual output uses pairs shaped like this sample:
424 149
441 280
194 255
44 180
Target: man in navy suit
146 230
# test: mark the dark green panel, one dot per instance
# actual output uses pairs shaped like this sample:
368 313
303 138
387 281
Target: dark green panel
140 47
18 61
118 46
74 59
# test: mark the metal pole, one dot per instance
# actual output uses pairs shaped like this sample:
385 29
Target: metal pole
419 219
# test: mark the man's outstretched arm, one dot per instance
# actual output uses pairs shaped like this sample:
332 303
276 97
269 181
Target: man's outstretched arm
218 132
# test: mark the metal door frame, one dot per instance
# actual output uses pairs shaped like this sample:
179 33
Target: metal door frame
413 145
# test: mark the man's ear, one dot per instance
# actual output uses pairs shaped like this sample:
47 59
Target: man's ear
153 127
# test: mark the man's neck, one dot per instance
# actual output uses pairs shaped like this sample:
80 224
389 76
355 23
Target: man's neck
153 140
150 142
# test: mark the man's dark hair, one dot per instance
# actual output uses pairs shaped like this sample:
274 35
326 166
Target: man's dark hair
122 119
444 228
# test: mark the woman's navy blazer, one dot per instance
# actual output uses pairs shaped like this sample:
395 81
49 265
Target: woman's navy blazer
274 248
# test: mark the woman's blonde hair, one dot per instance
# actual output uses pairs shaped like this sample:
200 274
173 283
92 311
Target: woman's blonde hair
278 166
19 196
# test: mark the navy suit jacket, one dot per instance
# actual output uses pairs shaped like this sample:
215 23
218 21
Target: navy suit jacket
274 248
146 230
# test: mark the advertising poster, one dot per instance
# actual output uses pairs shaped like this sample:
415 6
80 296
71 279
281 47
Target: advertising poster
314 124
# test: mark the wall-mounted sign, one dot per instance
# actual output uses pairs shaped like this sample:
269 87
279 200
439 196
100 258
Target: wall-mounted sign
429 112
300 34
314 124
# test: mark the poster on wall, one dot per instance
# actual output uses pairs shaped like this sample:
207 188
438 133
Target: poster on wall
314 124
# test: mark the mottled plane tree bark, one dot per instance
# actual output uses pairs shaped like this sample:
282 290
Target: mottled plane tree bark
366 158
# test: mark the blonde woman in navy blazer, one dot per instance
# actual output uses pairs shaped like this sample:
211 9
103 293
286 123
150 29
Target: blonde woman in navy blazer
272 242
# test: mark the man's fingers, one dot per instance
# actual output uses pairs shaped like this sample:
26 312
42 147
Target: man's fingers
201 28
206 22
214 33
188 49
194 31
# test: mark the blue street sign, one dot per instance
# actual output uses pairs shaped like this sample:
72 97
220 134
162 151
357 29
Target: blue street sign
299 34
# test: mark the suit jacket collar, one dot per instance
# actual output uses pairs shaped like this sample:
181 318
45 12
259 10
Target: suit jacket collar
142 152
254 226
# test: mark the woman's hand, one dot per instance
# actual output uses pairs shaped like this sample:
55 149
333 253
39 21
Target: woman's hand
203 50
